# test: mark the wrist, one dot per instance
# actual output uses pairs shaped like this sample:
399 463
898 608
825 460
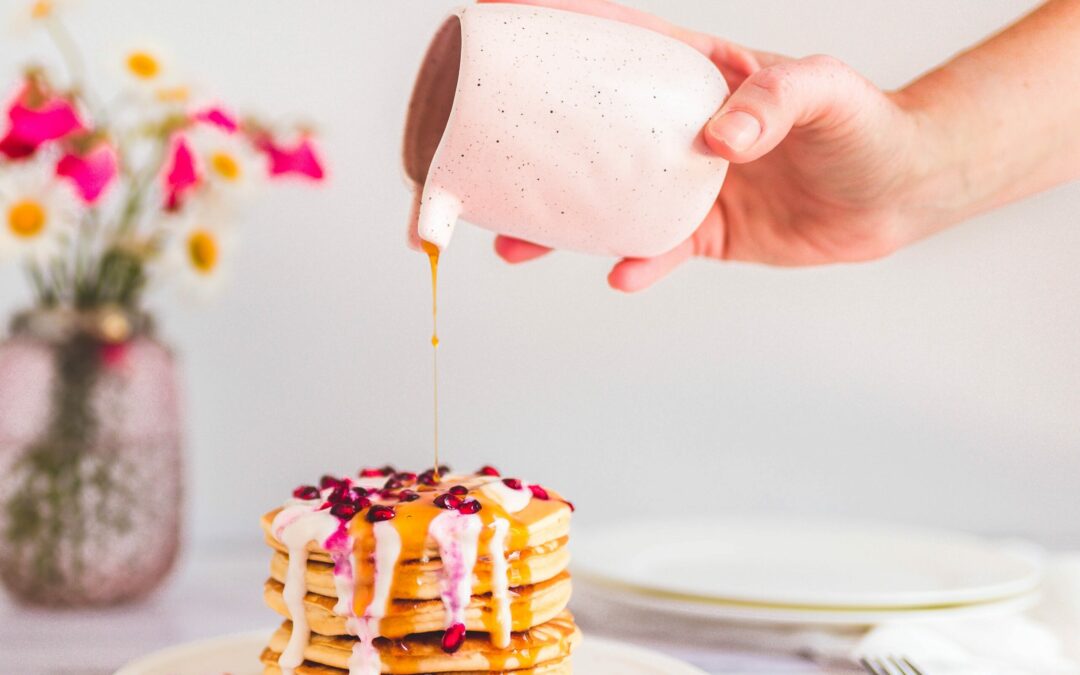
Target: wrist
937 190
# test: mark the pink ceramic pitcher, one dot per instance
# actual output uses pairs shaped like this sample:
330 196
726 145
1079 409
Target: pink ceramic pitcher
562 129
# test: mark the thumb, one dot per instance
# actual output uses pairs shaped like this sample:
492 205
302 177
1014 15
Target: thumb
772 101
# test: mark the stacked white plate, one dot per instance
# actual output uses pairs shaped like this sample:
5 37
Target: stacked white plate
805 571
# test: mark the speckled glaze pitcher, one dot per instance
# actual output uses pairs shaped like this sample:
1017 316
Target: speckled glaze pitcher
562 129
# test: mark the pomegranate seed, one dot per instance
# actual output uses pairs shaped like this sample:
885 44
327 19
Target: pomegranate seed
470 507
372 472
448 501
380 513
407 476
359 491
442 470
459 490
393 483
428 478
361 503
328 481
408 496
453 638
306 492
488 470
512 483
341 493
344 510
539 492
324 506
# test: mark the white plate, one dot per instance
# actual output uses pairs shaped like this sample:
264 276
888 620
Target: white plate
239 655
801 564
715 610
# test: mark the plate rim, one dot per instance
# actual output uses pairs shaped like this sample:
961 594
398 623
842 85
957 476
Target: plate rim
586 568
140 664
669 665
854 617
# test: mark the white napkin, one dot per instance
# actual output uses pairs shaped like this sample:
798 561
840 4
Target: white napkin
999 646
1045 641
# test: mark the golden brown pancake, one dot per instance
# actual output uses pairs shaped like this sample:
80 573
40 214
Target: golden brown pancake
530 606
551 642
540 522
419 580
270 667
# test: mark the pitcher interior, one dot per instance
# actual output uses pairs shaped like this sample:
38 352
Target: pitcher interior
432 100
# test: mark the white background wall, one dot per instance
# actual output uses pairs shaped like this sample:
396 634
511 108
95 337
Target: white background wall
938 386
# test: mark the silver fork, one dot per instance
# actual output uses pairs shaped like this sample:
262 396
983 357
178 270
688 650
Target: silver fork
891 665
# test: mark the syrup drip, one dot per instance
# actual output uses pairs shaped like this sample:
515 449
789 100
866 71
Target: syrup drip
433 256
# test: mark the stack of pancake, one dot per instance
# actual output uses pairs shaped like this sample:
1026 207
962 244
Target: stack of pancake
394 572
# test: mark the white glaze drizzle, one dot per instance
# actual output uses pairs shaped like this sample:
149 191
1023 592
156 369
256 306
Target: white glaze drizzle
500 583
295 526
365 659
458 535
509 499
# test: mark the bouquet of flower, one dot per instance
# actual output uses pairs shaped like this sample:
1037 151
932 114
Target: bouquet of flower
97 200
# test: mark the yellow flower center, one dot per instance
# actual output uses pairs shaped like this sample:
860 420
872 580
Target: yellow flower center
178 94
41 9
225 165
26 219
202 248
143 65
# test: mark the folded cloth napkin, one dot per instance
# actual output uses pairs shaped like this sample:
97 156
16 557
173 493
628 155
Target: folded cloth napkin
999 646
1043 641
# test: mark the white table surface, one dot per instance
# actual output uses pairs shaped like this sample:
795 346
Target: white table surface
217 592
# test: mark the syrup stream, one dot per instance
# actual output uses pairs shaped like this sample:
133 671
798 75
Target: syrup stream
433 256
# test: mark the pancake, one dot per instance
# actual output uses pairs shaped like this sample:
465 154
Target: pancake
551 642
539 523
418 580
529 606
270 667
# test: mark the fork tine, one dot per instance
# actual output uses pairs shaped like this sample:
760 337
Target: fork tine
911 666
872 666
897 663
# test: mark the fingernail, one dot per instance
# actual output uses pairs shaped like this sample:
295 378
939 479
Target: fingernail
737 129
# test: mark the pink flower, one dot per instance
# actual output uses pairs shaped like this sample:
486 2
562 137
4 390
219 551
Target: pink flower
299 160
114 355
218 117
31 127
91 173
180 176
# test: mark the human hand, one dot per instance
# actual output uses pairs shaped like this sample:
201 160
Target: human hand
822 163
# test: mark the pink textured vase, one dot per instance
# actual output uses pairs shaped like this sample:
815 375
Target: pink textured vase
562 129
90 465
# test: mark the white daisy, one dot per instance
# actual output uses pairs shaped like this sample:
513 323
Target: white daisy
38 213
228 163
197 245
149 78
29 14
144 65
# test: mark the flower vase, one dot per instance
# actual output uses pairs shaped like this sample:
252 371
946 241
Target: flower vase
90 463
